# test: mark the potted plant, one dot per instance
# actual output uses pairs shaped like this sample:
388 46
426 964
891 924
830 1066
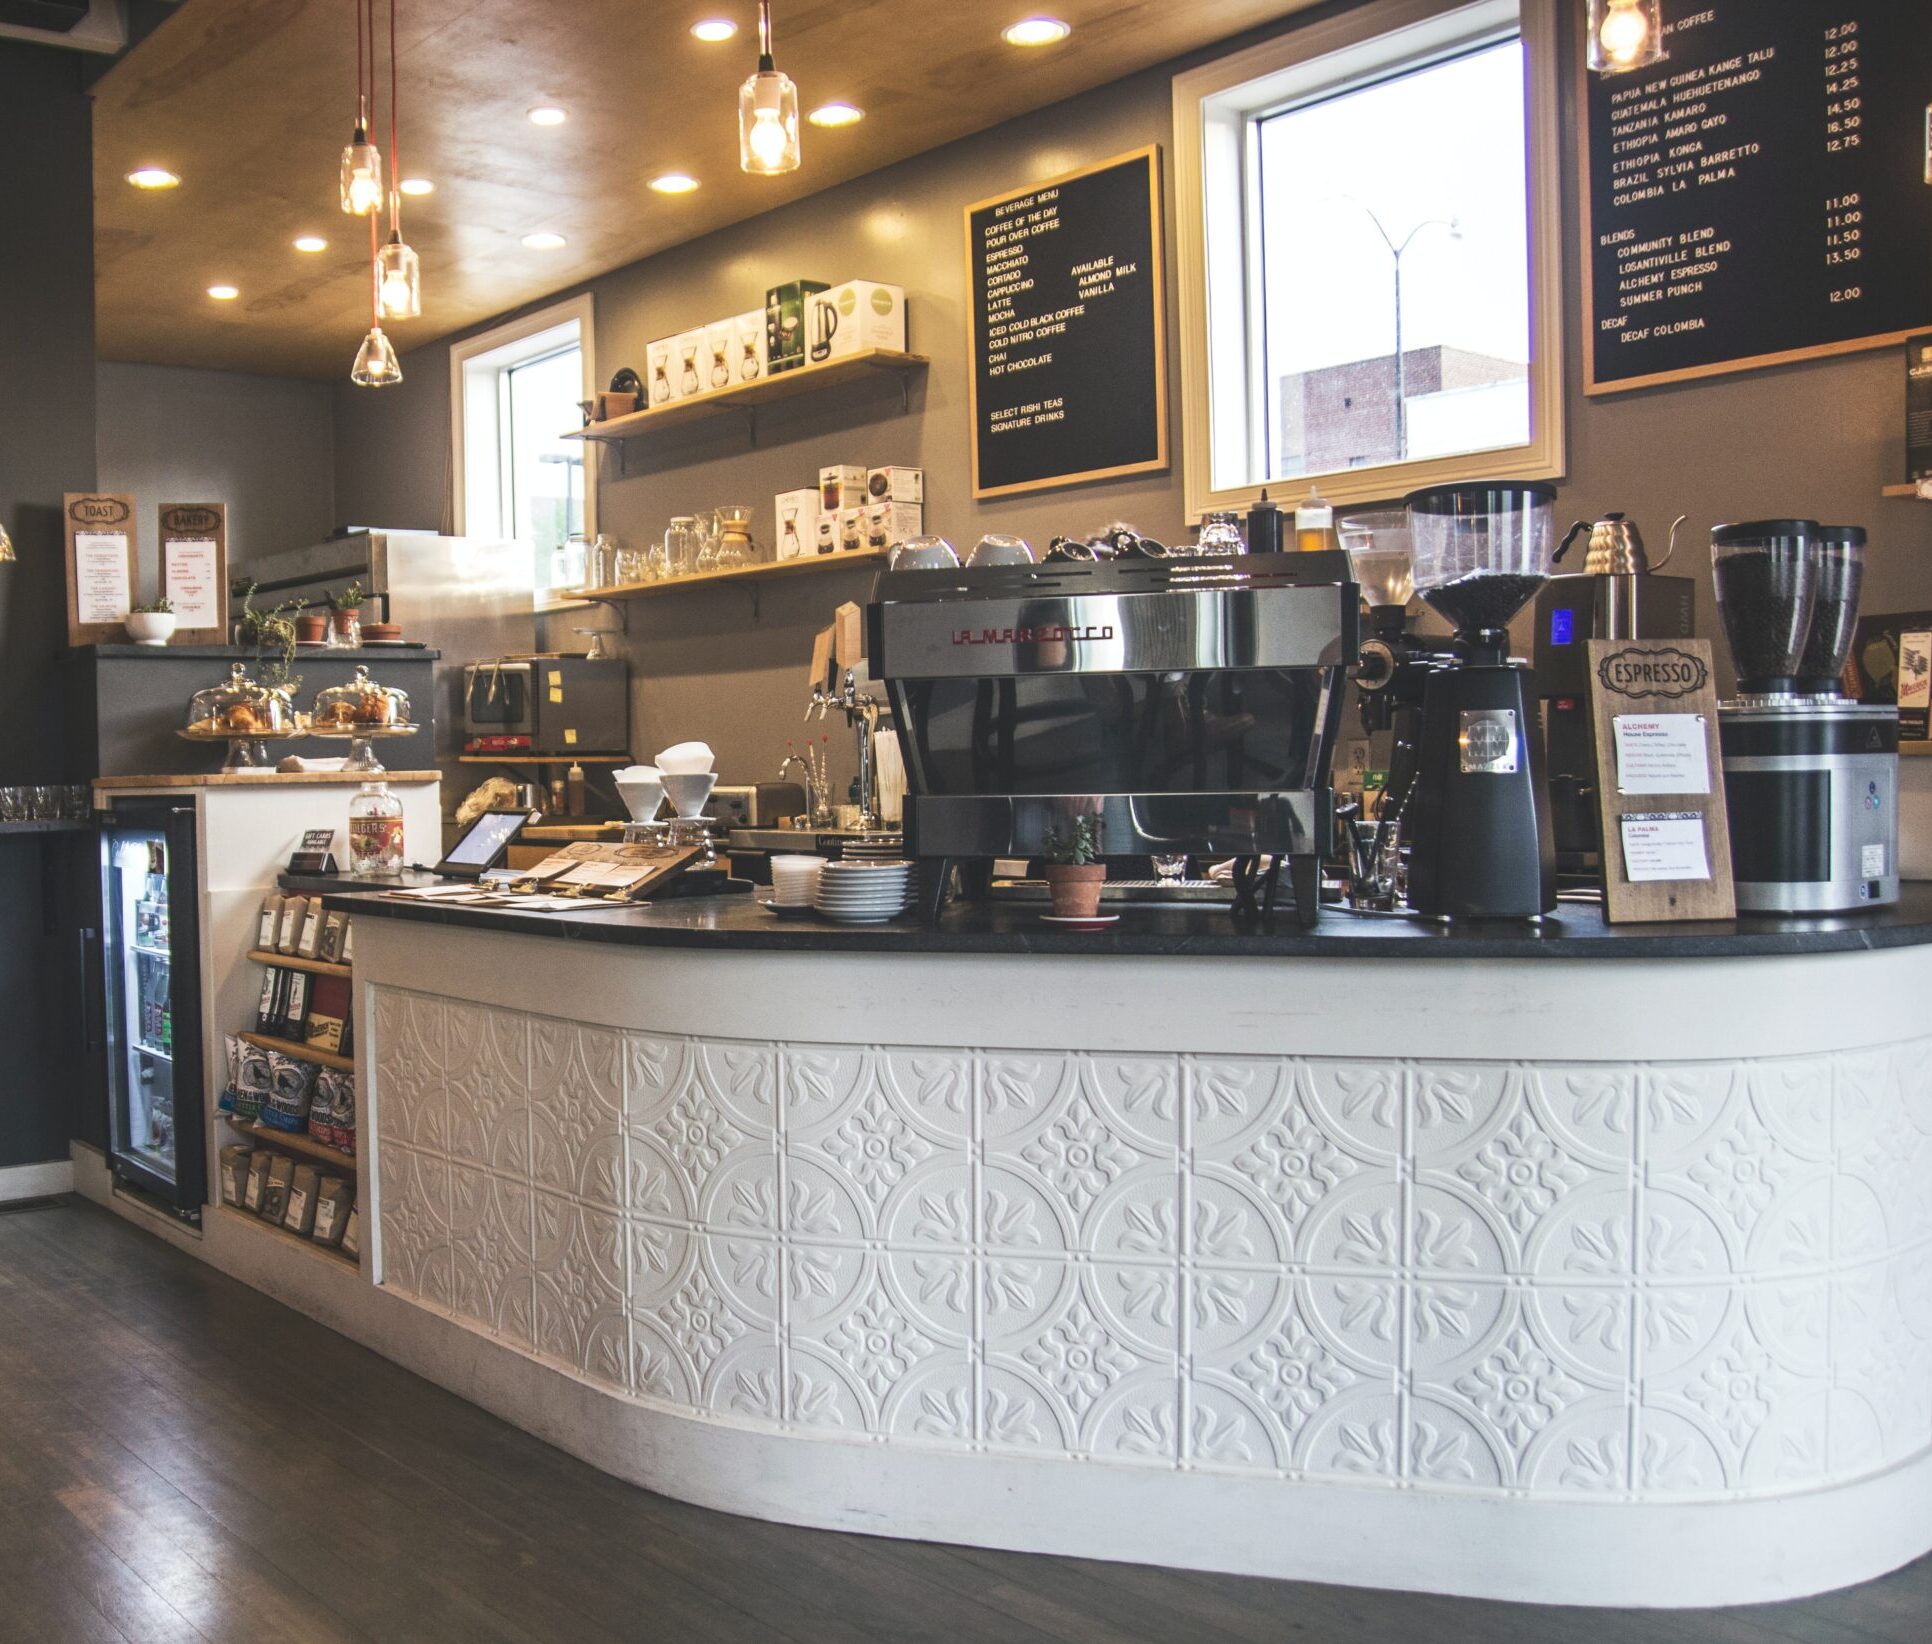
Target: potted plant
1074 871
271 634
151 624
346 612
312 627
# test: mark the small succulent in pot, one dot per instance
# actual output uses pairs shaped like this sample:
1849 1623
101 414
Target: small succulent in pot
1074 871
152 623
346 606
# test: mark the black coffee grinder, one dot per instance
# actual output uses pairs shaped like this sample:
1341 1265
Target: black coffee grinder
1481 845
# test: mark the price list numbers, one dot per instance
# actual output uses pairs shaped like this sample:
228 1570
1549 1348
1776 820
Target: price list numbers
1844 116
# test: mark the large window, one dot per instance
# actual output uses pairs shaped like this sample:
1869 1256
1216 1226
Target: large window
514 391
1368 255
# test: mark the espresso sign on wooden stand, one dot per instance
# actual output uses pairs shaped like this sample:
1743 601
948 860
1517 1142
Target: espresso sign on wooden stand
194 569
1660 781
1066 321
102 573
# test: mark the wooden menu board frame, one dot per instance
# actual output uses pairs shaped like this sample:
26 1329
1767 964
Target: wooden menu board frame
1581 87
111 513
198 522
1157 259
1653 678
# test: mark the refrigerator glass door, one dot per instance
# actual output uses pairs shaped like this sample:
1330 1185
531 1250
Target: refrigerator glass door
140 1000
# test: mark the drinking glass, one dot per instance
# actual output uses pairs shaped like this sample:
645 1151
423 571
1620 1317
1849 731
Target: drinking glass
632 567
80 802
13 804
1170 870
45 801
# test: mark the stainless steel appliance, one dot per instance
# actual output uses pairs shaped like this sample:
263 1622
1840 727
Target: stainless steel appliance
1191 704
555 705
1479 820
150 954
756 804
1810 777
1619 594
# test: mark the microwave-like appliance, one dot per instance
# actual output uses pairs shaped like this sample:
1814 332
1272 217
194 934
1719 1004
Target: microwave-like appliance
547 705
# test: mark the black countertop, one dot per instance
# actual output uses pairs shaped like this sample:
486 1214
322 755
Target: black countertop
726 923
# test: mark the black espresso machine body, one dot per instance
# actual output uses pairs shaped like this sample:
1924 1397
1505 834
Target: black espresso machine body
1190 704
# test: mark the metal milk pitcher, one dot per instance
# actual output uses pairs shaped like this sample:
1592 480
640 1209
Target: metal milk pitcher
1616 547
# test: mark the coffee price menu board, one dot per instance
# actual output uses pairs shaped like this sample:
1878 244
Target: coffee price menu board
1066 317
1763 194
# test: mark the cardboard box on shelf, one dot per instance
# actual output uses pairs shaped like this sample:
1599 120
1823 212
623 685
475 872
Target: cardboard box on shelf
659 357
785 323
895 485
841 486
890 523
718 364
826 535
854 317
796 513
687 366
748 362
851 530
1918 403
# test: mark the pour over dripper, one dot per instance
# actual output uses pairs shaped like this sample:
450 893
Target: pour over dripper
1481 551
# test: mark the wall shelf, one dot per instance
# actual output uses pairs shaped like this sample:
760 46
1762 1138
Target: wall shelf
544 759
746 397
764 571
291 961
328 1252
297 1142
1901 491
302 1053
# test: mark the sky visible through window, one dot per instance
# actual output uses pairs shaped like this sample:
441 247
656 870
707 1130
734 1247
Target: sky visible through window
547 480
1439 143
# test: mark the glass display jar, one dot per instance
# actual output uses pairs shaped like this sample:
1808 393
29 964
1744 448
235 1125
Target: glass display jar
361 710
375 832
241 712
1221 534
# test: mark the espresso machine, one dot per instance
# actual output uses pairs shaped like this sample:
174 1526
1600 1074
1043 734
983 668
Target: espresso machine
1478 822
1810 776
1618 594
1191 704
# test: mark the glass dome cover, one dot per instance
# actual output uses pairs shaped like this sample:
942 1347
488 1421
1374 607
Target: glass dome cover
359 705
239 706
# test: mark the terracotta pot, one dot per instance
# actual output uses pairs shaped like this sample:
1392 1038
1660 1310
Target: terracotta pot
382 630
346 621
1075 891
311 630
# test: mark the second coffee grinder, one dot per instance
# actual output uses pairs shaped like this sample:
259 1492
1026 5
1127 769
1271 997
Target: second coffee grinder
1479 819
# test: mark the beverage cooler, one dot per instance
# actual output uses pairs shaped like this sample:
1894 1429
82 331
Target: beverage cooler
150 965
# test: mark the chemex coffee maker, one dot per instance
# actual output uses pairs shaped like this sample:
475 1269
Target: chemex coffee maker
1479 819
1810 776
1616 594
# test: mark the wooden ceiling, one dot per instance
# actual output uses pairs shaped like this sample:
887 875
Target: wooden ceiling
251 101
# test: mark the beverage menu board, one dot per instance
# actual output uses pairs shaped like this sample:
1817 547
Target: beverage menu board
1066 315
1764 193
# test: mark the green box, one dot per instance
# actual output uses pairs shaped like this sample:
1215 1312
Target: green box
785 323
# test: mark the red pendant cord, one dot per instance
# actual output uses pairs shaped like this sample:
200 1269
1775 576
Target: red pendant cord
362 88
395 176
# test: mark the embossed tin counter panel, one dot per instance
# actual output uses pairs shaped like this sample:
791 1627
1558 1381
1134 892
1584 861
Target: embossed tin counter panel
1656 1282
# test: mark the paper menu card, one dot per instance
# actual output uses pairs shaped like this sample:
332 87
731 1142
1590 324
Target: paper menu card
1662 754
103 592
193 579
1664 847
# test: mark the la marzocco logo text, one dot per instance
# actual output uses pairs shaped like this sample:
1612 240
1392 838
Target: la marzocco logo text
1051 634
1666 673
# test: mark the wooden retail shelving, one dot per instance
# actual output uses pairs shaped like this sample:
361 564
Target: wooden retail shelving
297 1142
328 1252
543 759
301 1052
764 571
1900 491
293 961
748 396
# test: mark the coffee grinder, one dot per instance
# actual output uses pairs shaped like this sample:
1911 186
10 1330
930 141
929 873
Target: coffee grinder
1810 776
1618 594
1479 819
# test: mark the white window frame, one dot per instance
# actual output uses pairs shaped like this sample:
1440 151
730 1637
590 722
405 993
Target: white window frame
479 370
1214 106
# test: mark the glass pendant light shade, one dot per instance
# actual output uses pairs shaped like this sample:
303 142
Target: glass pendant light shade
1625 35
399 278
6 547
361 175
768 124
376 363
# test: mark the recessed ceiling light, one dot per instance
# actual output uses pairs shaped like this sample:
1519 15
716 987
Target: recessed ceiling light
544 240
311 242
223 293
417 185
714 29
547 116
674 182
836 114
1036 31
153 177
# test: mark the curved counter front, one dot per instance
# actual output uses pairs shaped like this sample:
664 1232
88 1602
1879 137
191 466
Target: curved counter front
1529 1276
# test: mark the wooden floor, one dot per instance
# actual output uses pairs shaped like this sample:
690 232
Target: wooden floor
183 1459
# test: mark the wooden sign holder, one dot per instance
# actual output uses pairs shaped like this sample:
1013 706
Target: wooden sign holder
1665 682
196 522
107 513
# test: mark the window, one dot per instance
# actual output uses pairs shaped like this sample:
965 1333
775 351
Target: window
513 393
1368 255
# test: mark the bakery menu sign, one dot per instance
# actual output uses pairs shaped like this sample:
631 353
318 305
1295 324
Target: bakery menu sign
1763 194
1067 315
101 567
194 569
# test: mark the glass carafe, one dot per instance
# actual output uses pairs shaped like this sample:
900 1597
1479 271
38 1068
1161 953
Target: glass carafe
681 546
734 536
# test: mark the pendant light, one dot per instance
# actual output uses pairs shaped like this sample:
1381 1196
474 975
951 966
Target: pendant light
399 273
361 172
1625 35
6 547
767 112
376 363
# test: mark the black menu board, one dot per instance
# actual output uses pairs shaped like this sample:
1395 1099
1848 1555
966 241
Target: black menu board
1066 321
1763 194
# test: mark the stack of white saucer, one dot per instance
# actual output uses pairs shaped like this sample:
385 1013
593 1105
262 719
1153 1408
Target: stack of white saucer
863 893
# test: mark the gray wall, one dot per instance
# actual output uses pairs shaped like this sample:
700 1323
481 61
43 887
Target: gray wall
1817 439
263 445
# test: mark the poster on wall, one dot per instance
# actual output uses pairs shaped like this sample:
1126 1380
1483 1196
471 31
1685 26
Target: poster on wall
101 569
1066 318
1763 194
194 569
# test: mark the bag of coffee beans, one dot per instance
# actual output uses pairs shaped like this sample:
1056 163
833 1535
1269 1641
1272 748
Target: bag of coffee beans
291 1087
234 1173
334 1199
251 1083
342 1111
299 1217
225 1102
281 1171
322 1107
256 1188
